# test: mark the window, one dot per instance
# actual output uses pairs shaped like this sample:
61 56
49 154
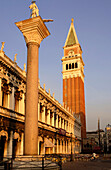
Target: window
76 65
72 65
69 66
66 66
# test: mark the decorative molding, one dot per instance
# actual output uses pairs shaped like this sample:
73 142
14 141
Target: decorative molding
33 29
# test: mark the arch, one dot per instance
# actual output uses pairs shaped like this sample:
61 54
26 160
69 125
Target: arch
4 133
16 136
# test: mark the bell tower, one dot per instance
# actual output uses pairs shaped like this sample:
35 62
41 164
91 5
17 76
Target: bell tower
73 77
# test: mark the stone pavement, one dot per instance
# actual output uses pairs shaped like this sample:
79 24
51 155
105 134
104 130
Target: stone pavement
87 165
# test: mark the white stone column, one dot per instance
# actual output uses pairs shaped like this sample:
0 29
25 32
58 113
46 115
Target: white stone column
18 148
9 147
66 146
34 31
59 122
57 146
54 145
5 101
22 105
8 100
52 119
73 147
48 117
60 146
38 111
21 143
62 123
12 99
0 91
43 114
56 121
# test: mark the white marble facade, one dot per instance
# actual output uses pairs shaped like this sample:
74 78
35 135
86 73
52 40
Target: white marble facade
56 123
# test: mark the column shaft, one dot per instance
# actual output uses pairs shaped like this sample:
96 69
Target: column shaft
48 117
21 104
12 99
60 122
31 119
56 121
52 119
66 146
9 149
21 143
38 111
8 100
0 92
43 114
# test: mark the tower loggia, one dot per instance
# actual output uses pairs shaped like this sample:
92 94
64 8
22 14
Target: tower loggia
73 77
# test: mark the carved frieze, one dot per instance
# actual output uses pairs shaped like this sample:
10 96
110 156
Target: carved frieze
53 109
6 88
49 105
22 87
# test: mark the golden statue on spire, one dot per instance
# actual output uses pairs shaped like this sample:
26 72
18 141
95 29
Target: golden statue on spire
34 10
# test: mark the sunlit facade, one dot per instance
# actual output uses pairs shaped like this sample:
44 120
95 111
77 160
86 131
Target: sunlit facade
57 124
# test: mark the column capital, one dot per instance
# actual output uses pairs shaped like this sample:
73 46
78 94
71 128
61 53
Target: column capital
34 30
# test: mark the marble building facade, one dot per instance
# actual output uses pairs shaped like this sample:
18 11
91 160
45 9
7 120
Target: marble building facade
58 126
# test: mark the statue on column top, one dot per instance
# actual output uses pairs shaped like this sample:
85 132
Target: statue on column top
2 46
34 9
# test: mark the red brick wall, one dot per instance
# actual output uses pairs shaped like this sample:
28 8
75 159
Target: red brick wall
75 99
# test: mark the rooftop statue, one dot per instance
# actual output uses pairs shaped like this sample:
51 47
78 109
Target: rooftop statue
24 67
15 58
34 9
2 46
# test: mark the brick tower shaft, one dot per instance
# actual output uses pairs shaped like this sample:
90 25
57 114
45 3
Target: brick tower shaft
73 78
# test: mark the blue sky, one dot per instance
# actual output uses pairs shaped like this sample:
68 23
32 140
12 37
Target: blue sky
92 20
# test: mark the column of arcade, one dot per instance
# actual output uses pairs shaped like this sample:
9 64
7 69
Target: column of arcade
11 97
57 121
54 119
8 101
